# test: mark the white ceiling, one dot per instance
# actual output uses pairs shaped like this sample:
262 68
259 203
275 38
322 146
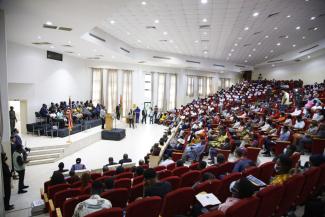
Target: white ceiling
180 19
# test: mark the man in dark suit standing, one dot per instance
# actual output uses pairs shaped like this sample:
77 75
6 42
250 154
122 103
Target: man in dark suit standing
6 182
13 119
117 110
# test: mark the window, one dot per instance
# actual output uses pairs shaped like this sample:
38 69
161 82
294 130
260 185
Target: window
172 92
190 86
161 91
209 86
148 87
97 84
225 83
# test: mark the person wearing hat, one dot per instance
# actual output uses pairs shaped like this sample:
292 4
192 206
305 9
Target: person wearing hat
78 165
6 182
152 187
19 163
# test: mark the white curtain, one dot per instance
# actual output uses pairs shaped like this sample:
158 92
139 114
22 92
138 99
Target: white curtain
162 101
110 89
209 86
190 86
172 92
97 86
201 86
127 92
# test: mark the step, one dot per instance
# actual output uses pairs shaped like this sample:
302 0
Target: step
44 156
47 147
42 161
46 151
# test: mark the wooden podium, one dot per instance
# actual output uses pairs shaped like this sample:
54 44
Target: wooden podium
109 122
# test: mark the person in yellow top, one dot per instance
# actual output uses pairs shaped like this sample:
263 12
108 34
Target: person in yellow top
219 140
282 168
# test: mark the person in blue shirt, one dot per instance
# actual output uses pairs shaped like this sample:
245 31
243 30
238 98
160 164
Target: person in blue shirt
137 115
78 165
194 152
242 162
284 136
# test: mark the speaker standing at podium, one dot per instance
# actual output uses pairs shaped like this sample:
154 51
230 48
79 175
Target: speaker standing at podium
102 116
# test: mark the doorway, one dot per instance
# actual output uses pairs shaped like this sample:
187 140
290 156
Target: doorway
20 108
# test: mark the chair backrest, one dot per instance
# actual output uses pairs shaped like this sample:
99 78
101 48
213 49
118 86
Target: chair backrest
171 166
225 153
194 166
112 212
173 180
148 207
252 153
224 168
136 191
292 188
55 188
70 204
110 173
137 180
295 158
178 202
123 183
254 171
94 176
311 178
318 146
103 178
246 207
215 213
209 186
159 168
124 175
189 178
270 198
224 192
266 171
178 171
321 179
210 169
46 185
164 174
61 196
118 196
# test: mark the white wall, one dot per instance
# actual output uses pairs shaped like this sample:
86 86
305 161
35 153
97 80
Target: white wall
310 71
33 77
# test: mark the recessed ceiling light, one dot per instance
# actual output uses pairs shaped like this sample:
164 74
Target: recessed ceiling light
39 37
49 23
278 44
143 3
69 42
246 61
266 36
315 28
78 54
232 50
235 44
303 37
156 21
139 41
275 28
196 41
112 22
298 27
171 41
294 45
205 33
271 51
246 28
52 47
240 38
287 36
204 1
205 52
266 57
204 20
255 14
249 55
259 43
312 18
165 33
254 49
127 33
273 65
229 54
113 57
288 16
308 57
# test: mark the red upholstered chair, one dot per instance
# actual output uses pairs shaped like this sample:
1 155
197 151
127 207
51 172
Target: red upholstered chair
215 213
110 173
318 146
46 185
280 146
171 166
321 180
224 168
209 186
61 196
103 178
56 188
118 196
123 183
76 184
178 171
178 202
70 204
270 198
224 192
136 191
292 188
148 207
189 178
159 168
210 169
177 156
254 171
164 174
85 190
125 175
137 180
194 166
94 176
295 158
252 153
266 171
311 178
112 212
173 180
246 207
225 153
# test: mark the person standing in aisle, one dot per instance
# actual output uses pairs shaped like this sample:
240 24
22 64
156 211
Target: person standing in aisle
6 182
131 116
102 115
151 114
117 110
137 115
13 119
19 164
144 116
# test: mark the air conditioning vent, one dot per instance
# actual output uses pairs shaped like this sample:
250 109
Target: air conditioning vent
191 61
321 15
125 50
219 65
282 36
204 27
93 58
246 45
163 40
68 51
309 48
99 55
68 29
97 37
206 41
162 58
297 60
256 33
49 26
274 61
42 43
240 66
273 14
141 61
66 45
151 27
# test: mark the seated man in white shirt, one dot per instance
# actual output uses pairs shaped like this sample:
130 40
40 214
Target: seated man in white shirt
318 116
300 124
296 112
166 161
94 203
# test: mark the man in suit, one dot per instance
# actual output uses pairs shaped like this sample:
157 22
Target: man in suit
117 110
125 159
144 116
6 182
13 119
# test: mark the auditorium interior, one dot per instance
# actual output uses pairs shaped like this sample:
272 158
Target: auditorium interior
162 108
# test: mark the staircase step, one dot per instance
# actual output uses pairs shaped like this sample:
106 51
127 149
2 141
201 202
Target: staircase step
46 151
43 156
42 161
47 147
